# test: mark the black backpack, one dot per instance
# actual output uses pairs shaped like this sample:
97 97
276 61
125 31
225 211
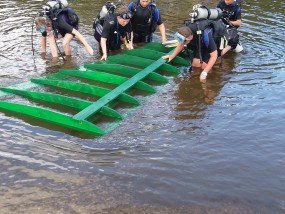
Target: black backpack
216 28
73 19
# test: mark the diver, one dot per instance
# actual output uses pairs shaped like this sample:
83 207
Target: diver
114 30
204 56
146 18
209 54
232 18
56 21
204 34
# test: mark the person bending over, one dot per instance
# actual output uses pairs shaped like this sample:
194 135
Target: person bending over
65 26
114 31
208 53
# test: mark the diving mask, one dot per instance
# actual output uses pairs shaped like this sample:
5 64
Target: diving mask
180 38
127 15
42 28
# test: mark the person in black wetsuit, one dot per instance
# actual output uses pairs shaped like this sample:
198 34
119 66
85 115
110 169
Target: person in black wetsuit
146 18
231 17
65 26
114 31
209 53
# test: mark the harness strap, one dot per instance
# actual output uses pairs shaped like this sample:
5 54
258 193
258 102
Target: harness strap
199 33
117 24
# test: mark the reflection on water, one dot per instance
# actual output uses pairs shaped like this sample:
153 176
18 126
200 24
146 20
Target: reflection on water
216 147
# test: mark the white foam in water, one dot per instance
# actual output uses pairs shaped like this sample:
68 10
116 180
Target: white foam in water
238 48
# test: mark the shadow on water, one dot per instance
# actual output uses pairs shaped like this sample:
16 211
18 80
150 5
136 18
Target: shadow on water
194 96
214 147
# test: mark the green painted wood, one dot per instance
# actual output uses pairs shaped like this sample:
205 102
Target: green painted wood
107 111
124 70
152 54
161 48
85 88
131 77
158 47
107 78
52 117
51 98
139 61
29 84
87 112
75 103
96 76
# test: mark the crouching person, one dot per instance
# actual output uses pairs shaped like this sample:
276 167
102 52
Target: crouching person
59 21
114 30
205 55
232 18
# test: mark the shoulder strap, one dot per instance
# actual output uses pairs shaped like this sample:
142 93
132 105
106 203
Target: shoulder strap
199 41
135 5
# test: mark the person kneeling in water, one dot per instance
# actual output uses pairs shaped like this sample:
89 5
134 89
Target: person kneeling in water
61 27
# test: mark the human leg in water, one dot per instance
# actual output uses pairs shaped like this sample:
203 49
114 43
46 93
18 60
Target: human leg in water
66 44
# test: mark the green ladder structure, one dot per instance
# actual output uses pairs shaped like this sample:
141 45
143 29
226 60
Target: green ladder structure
115 79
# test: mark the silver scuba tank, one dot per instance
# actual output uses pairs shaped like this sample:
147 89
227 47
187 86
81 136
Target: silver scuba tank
103 12
205 13
57 4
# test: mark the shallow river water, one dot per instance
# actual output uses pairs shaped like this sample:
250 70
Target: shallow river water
216 147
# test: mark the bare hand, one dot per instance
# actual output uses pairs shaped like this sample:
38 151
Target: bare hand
203 78
130 46
104 57
166 57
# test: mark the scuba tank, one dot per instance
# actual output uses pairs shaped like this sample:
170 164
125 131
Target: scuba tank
108 8
202 12
57 4
103 12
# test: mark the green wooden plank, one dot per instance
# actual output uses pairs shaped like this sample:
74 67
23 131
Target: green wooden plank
124 70
85 88
107 111
107 78
96 76
117 91
139 61
75 103
161 48
52 117
158 47
152 54
29 84
51 98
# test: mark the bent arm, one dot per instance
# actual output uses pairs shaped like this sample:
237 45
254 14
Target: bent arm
176 51
236 23
83 40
